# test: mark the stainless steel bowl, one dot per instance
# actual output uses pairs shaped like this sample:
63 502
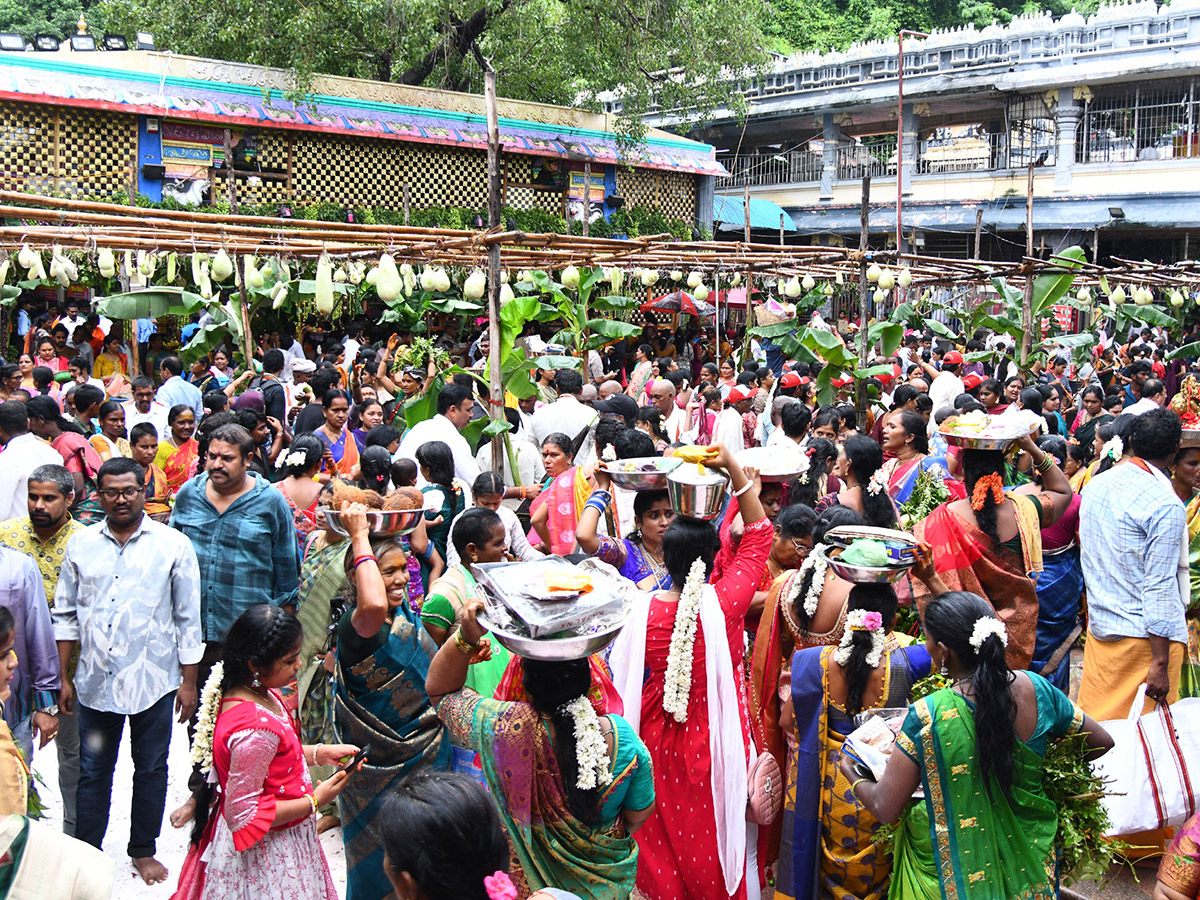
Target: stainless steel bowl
775 465
697 496
978 442
380 522
560 649
861 574
642 481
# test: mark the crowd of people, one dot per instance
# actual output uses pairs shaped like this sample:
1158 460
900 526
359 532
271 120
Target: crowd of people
163 560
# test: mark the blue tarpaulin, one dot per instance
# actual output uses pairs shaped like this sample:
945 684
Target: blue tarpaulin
764 214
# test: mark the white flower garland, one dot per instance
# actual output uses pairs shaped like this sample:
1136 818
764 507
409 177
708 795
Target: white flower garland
985 627
678 681
857 621
590 749
1114 448
210 704
877 483
818 566
294 458
609 454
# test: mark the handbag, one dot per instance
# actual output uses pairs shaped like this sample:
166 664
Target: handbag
764 790
1152 774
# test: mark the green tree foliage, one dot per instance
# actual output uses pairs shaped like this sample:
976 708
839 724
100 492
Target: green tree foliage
57 17
835 24
669 52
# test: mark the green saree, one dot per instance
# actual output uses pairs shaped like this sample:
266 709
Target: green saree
978 845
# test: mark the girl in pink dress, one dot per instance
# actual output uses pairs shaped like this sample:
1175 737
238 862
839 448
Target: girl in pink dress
691 714
260 838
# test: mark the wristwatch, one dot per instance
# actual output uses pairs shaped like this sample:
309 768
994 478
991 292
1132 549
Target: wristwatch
49 710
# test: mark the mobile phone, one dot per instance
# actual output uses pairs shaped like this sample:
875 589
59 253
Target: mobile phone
355 760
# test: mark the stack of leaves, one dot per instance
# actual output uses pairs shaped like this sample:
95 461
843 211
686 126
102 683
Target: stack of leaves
418 353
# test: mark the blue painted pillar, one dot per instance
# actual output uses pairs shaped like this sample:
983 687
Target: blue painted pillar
149 153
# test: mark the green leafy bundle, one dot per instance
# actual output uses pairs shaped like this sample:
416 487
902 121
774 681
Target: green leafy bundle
928 493
930 684
418 353
1069 782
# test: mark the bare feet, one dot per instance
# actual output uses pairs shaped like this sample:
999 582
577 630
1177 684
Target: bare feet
184 814
151 870
327 822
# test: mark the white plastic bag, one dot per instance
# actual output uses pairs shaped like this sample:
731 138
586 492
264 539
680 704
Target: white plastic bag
1152 773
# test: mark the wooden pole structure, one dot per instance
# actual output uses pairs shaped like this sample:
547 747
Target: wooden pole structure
746 214
781 229
864 309
496 389
587 210
978 231
407 198
1027 301
243 299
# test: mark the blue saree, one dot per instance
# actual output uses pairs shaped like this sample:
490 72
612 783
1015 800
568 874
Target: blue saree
381 700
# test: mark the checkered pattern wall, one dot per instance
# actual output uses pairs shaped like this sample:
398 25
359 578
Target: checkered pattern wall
673 193
518 170
69 151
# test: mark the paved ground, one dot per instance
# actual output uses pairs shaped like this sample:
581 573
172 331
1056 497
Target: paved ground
172 846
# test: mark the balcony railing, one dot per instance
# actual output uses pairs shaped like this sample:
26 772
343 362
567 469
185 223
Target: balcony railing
793 167
875 158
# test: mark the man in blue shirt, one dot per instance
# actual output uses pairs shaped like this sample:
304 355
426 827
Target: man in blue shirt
174 390
244 536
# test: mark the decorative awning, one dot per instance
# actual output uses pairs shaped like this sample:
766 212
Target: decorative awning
50 79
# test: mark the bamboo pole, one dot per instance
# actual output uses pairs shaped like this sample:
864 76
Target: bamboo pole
1027 299
860 401
496 389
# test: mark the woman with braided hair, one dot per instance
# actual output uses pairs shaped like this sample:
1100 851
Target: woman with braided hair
259 839
990 542
978 748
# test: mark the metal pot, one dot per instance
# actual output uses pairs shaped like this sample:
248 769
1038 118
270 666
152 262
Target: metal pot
695 495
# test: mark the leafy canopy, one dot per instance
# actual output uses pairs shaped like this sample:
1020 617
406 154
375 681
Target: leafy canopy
670 52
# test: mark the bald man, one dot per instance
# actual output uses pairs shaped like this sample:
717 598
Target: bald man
662 395
609 388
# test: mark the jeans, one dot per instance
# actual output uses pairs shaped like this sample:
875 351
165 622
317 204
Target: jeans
99 739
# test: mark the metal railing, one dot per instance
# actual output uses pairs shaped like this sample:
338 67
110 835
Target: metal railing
966 149
875 156
1149 122
793 167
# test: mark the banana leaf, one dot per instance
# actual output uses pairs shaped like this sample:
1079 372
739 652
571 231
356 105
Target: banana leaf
150 304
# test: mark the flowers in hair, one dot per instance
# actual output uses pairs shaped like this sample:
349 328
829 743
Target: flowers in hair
985 627
499 886
678 681
609 454
816 564
1114 448
877 483
989 484
294 458
206 720
590 750
860 620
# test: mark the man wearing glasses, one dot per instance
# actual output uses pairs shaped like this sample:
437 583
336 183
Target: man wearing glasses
128 596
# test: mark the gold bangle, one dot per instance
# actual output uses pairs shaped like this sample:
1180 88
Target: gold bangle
855 784
461 643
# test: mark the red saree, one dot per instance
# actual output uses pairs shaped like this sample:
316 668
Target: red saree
966 560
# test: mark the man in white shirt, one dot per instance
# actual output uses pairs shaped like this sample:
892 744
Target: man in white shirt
454 412
1154 396
293 352
662 395
948 384
23 452
144 408
72 320
80 368
567 415
728 428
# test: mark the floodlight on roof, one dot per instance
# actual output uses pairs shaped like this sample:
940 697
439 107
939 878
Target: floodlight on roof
145 40
115 42
83 42
47 43
12 41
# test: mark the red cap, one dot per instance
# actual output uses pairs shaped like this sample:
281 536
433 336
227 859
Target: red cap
972 381
790 380
889 377
739 393
953 358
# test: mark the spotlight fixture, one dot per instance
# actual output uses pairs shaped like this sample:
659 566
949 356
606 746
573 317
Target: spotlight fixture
47 43
145 40
83 42
115 42
1116 212
12 41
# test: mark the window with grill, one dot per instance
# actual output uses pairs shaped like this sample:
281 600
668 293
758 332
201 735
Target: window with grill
1147 122
1031 132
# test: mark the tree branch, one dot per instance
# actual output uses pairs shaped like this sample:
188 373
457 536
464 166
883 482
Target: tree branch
460 37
